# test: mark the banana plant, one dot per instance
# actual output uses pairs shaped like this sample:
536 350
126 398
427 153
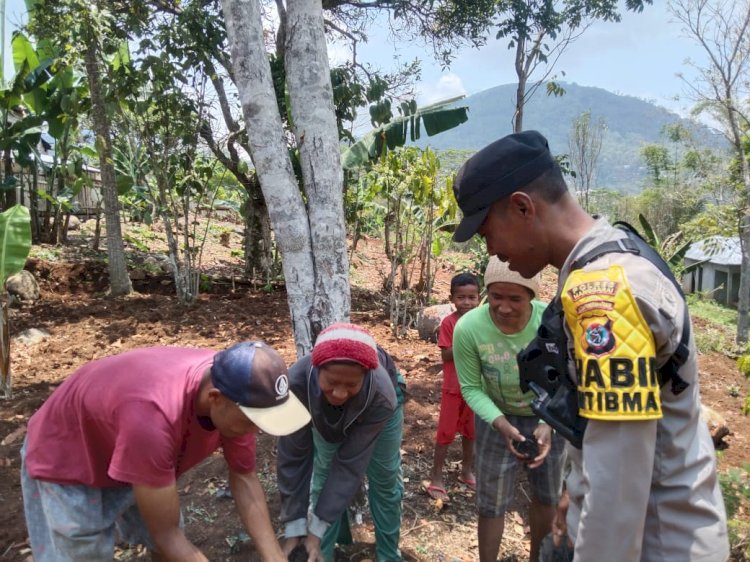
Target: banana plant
15 244
436 118
673 248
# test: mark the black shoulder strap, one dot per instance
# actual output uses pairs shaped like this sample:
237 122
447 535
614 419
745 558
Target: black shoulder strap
635 244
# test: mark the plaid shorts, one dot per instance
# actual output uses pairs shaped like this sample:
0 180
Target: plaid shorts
497 468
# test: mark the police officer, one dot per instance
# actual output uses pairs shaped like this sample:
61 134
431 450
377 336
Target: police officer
643 486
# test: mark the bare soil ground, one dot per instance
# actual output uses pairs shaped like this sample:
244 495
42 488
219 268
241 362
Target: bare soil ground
84 325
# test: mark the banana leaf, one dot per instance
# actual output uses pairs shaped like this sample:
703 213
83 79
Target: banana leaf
437 118
15 241
648 232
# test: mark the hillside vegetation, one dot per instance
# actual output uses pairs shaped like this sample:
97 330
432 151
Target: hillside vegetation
631 123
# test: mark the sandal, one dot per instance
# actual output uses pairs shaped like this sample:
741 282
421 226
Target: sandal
470 483
437 493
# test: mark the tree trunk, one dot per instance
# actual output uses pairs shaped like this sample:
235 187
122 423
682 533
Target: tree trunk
119 282
258 258
521 87
6 382
311 96
744 292
743 306
252 74
9 194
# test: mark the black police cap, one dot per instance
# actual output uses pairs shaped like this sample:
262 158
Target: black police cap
497 170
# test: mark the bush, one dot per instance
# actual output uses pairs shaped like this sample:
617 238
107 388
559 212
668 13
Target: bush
735 487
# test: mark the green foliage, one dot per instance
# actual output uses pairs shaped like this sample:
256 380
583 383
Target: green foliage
673 248
735 488
743 364
401 192
711 311
711 339
205 283
46 253
436 119
716 332
713 220
631 122
15 241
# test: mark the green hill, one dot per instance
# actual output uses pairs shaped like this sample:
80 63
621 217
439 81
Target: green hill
631 123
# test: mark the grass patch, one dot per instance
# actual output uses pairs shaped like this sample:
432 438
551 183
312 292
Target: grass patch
711 311
46 253
712 338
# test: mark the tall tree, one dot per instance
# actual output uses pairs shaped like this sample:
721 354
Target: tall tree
311 238
539 31
721 87
119 281
78 26
584 146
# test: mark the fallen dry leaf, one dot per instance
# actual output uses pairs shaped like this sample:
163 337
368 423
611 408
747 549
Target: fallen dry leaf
14 435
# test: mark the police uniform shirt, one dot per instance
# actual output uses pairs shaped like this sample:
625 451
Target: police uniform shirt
644 486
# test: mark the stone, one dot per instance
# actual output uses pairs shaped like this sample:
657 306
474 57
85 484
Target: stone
429 319
74 223
23 287
717 425
137 275
31 336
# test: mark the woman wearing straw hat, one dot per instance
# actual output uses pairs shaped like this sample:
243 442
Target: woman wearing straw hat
508 434
355 396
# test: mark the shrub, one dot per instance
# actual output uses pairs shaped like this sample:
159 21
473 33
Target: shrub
735 487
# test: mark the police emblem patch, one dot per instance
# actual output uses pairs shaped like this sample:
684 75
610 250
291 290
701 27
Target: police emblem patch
597 335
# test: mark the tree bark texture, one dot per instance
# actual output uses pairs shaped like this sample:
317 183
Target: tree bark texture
743 306
521 86
119 281
6 382
252 75
311 95
258 258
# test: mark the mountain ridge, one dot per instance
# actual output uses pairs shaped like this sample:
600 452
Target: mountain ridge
631 123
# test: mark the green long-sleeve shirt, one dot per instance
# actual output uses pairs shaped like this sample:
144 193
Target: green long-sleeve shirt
485 360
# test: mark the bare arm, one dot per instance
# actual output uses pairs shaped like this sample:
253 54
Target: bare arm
446 354
160 510
251 504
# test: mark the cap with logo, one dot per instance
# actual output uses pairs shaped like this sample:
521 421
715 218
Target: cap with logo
496 171
253 375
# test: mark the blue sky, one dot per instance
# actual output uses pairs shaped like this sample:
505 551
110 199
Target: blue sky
15 14
640 56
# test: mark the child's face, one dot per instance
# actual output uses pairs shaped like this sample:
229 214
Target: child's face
464 298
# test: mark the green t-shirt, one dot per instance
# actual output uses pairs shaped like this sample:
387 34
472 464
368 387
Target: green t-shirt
485 360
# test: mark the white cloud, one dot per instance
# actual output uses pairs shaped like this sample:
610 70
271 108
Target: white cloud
447 86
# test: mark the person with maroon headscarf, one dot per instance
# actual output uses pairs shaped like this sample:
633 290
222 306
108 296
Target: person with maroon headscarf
355 396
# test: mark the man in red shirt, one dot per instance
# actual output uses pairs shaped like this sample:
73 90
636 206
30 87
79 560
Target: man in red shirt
103 454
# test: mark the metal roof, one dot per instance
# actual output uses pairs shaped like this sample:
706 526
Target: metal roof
719 250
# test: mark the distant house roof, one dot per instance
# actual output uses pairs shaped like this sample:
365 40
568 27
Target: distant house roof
719 250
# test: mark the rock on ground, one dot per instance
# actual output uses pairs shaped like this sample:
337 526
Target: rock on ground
31 336
429 319
23 287
717 425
